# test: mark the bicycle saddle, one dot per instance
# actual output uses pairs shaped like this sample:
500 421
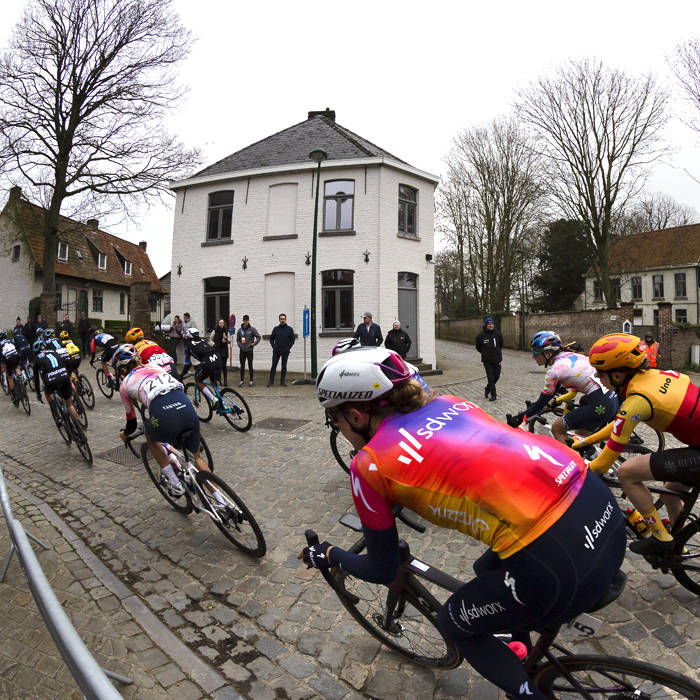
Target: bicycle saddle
617 585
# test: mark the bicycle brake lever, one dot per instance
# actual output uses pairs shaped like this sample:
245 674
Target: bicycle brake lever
312 541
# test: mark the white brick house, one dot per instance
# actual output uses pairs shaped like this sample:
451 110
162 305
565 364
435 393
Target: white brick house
243 234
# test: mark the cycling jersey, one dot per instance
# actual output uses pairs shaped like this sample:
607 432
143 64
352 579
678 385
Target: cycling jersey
53 367
54 344
106 341
21 343
665 400
151 353
201 350
457 467
143 384
8 350
572 371
72 348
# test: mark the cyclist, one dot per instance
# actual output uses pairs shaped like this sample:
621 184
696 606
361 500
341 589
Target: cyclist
208 358
573 371
23 346
54 367
150 353
73 352
530 499
51 342
666 401
170 412
109 344
9 361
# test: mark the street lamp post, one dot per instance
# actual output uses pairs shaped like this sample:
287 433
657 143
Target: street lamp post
318 155
522 296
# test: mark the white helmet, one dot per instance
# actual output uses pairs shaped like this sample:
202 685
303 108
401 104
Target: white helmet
344 345
360 376
190 334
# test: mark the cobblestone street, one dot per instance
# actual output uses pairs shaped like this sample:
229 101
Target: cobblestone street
189 616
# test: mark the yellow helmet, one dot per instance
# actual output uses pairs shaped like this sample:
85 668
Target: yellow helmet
64 335
615 351
134 335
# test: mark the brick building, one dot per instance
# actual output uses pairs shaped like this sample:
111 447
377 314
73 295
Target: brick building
95 270
243 237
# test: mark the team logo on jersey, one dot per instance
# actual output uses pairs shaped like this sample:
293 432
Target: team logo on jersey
409 450
618 425
592 535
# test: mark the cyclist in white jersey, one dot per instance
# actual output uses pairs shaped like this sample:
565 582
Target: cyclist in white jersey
574 372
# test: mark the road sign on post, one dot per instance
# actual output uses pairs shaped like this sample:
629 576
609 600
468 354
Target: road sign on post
306 332
307 322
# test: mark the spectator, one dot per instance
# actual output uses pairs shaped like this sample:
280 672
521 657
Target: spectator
398 340
489 343
18 324
369 334
187 323
40 326
247 338
67 325
29 329
84 330
652 349
281 339
175 335
220 340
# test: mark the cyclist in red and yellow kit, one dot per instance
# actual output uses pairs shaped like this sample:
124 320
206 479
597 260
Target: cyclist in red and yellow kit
555 534
666 401
150 352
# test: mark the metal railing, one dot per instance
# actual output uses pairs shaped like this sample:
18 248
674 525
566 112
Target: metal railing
91 679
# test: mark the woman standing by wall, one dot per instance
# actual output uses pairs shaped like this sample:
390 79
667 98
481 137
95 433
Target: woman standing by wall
220 340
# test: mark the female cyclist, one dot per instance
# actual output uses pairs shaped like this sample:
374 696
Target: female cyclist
556 536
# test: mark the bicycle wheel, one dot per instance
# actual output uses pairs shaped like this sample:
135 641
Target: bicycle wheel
686 557
412 631
103 385
182 504
237 524
87 394
200 401
30 377
79 438
342 450
23 396
80 410
4 384
235 410
58 413
205 454
612 677
647 437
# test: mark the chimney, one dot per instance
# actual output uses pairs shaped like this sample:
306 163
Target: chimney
328 114
15 193
93 224
143 244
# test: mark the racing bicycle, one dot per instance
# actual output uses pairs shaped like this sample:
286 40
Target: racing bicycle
82 387
69 428
107 384
229 404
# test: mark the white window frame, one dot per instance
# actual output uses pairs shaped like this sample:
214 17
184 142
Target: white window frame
62 258
97 294
127 268
101 261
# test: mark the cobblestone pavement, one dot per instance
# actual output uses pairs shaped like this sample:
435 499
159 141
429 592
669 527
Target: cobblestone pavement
271 628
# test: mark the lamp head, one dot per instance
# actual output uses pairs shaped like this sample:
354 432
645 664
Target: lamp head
318 155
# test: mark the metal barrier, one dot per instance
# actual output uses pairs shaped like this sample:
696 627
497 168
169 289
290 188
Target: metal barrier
91 679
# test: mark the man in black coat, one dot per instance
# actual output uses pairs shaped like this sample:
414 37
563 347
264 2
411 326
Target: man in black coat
369 334
398 340
489 343
84 330
281 339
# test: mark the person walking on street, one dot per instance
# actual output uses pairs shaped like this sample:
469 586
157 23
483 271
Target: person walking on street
175 335
398 340
84 330
651 347
368 333
489 343
67 325
187 323
220 340
247 338
281 339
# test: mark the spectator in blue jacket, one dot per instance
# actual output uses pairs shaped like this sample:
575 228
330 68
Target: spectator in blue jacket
281 339
369 334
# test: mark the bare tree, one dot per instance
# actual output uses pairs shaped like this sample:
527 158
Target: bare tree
685 63
654 212
84 88
489 200
600 131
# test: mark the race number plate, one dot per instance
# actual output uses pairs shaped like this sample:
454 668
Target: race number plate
584 626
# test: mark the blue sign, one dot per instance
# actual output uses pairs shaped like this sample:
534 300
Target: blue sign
307 323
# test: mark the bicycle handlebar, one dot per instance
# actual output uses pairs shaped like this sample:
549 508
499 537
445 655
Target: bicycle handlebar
312 541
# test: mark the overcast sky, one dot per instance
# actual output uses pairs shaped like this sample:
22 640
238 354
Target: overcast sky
406 76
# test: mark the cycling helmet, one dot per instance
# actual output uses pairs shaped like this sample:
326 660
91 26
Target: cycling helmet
616 351
133 335
47 333
345 345
123 355
39 345
545 340
64 335
17 330
190 334
360 376
3 335
92 329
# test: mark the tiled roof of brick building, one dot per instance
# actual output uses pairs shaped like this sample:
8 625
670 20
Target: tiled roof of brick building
294 144
83 244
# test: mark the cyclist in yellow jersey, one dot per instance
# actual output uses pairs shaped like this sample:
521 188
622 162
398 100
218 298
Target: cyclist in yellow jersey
73 352
667 401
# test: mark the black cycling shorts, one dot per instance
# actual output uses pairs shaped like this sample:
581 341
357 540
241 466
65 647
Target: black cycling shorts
681 465
599 409
171 415
107 353
63 388
210 364
75 362
11 363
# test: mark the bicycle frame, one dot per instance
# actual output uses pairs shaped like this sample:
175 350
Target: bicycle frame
221 406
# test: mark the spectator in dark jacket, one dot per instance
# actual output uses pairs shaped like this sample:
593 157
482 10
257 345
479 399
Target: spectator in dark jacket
67 325
40 326
18 324
369 334
84 330
175 336
29 330
281 339
398 340
220 340
246 338
489 343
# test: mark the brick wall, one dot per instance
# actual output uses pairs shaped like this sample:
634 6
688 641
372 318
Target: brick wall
140 307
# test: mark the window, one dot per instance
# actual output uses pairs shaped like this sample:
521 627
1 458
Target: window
127 268
83 300
62 253
338 205
636 288
638 317
597 291
125 264
59 300
102 261
220 215
682 315
97 300
615 286
282 210
680 284
407 210
658 281
154 304
337 287
216 301
656 317
122 303
16 250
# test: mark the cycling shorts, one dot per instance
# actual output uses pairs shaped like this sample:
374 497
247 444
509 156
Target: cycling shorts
25 355
107 353
600 408
208 366
681 465
11 363
63 388
171 415
75 362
